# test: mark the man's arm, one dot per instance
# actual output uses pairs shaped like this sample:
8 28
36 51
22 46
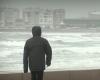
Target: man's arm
48 52
25 58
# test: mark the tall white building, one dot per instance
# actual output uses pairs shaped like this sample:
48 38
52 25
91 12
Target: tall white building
1 20
46 18
58 17
31 16
9 16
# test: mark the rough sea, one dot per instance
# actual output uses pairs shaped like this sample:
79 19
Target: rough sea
71 51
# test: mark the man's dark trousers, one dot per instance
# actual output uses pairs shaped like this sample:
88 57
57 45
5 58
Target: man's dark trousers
37 75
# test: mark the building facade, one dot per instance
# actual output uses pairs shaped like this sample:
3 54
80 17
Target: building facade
58 17
28 17
46 19
9 16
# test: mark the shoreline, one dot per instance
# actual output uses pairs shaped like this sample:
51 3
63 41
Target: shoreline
55 32
65 70
52 31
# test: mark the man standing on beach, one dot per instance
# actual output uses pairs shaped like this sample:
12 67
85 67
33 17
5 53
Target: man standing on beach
35 50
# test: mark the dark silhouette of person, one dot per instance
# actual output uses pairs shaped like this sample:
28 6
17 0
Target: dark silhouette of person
37 54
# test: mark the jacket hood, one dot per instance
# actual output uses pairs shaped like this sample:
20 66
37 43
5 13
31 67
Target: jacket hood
36 31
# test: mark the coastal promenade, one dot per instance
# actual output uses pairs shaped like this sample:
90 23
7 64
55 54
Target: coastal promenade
56 75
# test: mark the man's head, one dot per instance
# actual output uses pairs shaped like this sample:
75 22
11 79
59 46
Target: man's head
36 31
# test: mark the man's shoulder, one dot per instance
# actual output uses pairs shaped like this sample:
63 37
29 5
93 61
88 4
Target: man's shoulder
41 38
28 40
44 39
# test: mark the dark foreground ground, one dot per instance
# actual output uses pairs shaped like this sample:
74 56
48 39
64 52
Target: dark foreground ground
56 75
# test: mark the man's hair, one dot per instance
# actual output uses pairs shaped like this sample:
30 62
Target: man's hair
36 31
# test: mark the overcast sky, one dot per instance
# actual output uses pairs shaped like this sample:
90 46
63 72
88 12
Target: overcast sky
74 8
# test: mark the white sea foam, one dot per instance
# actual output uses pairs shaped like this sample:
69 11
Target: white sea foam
70 50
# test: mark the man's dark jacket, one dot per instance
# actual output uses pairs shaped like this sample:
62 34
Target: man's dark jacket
35 50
